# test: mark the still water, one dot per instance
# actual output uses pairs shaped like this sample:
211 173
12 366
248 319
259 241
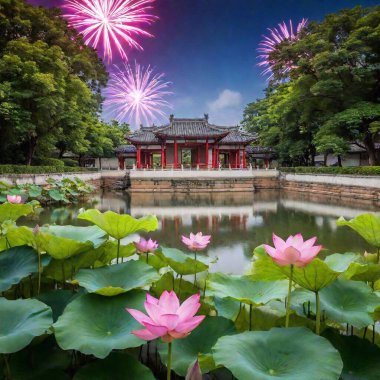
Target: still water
238 222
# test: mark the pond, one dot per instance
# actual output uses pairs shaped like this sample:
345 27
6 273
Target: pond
238 222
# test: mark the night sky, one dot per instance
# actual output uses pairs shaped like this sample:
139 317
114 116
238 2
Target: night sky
207 49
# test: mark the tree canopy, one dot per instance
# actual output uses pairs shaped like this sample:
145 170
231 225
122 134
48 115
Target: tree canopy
50 88
330 98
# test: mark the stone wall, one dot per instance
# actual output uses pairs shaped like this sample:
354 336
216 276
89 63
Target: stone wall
355 187
365 187
202 181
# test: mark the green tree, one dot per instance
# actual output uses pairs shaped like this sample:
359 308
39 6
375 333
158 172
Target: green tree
50 82
335 86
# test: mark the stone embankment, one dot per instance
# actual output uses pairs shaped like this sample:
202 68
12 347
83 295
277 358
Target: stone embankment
169 181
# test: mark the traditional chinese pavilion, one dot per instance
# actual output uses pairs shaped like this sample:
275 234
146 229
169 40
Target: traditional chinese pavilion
188 143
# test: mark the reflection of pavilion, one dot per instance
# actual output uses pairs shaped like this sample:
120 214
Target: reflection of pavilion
189 143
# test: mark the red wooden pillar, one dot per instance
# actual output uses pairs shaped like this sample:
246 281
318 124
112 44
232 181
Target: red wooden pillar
206 153
244 158
198 156
138 157
213 157
238 165
162 156
175 154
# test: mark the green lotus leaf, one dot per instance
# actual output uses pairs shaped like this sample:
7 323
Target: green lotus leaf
288 354
58 299
366 225
116 279
264 268
21 236
62 242
119 226
180 262
92 234
360 357
56 195
198 345
367 272
118 366
12 211
110 251
34 191
339 262
60 270
244 289
21 321
314 276
103 321
349 302
15 264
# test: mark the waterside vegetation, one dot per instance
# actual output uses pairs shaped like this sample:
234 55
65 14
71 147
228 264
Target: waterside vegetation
65 291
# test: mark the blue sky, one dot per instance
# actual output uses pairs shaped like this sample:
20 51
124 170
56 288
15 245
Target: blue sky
207 49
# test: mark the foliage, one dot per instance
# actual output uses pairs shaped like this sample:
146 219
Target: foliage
67 190
349 170
24 169
330 98
68 282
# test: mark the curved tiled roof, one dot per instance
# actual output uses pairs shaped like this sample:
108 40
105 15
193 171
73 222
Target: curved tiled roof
190 129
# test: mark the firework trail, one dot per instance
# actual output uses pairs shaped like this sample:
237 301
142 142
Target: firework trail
112 24
137 94
270 43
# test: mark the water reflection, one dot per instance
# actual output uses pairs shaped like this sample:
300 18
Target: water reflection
238 222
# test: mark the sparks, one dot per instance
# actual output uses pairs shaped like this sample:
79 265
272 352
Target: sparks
270 43
137 94
110 23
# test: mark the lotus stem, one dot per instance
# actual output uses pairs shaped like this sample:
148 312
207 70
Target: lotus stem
195 274
289 296
250 317
118 251
169 366
147 257
317 314
39 272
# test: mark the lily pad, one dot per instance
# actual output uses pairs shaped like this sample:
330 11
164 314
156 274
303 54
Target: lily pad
21 321
244 289
102 320
62 242
119 226
12 211
180 262
263 267
314 276
198 345
349 302
118 366
15 264
287 354
116 279
366 225
360 357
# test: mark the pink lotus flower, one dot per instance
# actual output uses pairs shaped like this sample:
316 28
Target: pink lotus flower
293 251
194 372
196 242
14 199
146 245
167 318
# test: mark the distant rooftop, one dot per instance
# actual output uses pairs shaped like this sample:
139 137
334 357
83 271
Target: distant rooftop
187 128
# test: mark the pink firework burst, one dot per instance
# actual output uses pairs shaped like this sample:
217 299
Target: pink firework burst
270 43
137 94
112 24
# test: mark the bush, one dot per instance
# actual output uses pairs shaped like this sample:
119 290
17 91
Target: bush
23 169
350 170
70 162
49 162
